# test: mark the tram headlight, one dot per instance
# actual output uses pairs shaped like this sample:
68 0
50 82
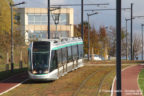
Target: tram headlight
45 72
34 72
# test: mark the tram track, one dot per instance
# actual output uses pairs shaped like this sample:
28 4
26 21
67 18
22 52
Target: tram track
90 77
102 81
81 80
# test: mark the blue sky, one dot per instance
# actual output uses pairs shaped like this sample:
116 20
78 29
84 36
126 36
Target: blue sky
104 18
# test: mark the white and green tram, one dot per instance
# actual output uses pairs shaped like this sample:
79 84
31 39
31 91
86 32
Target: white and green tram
52 58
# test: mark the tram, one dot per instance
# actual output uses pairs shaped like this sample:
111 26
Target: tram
52 58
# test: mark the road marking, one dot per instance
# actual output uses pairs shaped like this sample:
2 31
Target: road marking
13 87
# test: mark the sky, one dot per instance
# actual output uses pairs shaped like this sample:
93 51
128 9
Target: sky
103 18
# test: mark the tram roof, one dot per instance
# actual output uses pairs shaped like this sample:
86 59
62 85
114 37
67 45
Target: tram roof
60 40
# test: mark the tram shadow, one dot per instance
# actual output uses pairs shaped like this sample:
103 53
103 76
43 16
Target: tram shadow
17 76
38 81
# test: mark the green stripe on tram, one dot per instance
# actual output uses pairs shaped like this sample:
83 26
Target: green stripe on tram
56 48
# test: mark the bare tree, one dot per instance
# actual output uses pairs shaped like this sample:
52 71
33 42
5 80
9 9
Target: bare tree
112 41
136 46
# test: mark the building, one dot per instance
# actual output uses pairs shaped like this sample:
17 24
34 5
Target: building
33 23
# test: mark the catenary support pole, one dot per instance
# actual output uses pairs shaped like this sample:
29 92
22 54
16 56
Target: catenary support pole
12 63
126 40
142 40
48 19
132 31
118 48
12 43
82 10
88 39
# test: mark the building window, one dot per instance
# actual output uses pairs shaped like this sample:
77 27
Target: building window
59 34
43 34
42 19
38 34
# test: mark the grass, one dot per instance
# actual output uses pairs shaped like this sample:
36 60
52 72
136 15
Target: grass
114 62
3 72
16 55
65 86
82 82
107 83
91 87
16 66
141 81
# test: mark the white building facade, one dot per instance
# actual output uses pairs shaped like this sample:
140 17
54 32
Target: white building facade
34 23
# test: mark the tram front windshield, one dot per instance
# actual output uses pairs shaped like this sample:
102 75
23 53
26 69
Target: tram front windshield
41 54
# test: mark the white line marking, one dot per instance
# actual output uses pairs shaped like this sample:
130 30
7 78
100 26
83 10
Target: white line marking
113 86
13 87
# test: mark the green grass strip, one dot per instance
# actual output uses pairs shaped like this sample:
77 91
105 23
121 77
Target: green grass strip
141 81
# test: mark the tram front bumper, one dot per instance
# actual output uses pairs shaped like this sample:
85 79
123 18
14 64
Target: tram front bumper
42 76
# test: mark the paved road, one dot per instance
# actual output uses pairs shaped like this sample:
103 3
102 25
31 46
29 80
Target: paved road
130 85
11 82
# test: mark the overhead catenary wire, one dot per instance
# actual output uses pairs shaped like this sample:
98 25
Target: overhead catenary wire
109 9
80 4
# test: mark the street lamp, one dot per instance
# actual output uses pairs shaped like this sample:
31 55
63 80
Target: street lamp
89 34
12 45
142 39
56 18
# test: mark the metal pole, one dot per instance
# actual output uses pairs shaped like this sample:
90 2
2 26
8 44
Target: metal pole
132 31
82 3
142 41
118 49
12 64
126 41
56 32
88 40
48 19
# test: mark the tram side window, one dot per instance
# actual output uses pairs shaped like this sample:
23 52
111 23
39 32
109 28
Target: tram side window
80 51
64 54
29 55
54 61
59 56
69 53
74 51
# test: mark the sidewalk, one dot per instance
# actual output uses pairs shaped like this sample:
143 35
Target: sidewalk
130 85
12 82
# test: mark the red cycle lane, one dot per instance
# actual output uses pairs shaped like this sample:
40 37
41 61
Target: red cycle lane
11 82
130 86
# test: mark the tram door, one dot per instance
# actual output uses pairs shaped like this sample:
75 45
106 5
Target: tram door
54 61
